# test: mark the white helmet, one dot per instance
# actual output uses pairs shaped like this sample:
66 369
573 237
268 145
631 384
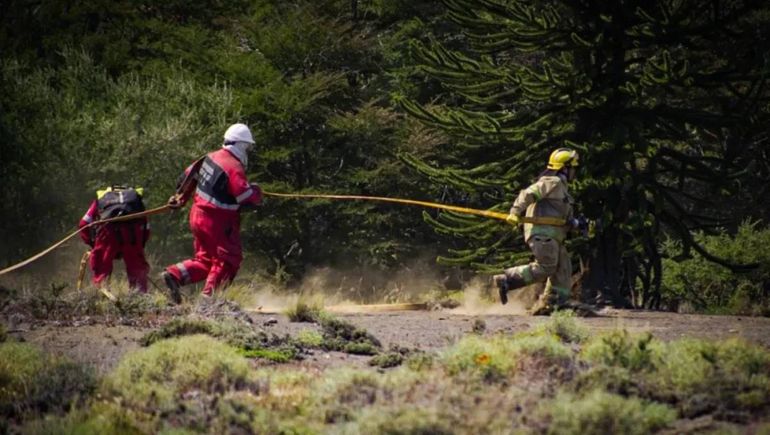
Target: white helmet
238 133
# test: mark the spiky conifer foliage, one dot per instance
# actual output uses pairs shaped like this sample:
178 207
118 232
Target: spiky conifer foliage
664 99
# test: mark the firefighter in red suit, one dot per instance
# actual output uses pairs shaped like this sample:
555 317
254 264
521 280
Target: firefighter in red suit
118 239
222 191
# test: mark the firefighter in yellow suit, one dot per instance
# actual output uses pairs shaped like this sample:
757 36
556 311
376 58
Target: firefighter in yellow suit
547 197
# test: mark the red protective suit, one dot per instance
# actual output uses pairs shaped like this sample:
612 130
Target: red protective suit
215 223
116 240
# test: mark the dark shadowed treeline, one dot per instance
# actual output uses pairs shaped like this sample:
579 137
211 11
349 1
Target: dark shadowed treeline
131 92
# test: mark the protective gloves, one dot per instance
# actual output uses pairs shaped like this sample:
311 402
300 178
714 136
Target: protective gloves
174 202
512 219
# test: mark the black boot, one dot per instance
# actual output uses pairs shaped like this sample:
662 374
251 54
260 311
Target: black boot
173 287
506 283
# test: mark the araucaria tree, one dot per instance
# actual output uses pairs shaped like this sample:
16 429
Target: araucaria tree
665 99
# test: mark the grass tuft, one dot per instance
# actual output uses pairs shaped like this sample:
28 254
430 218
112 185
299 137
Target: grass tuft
304 312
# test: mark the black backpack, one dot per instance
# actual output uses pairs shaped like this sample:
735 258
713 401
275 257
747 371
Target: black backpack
120 201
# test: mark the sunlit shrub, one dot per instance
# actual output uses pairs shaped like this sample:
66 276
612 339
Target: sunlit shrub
155 377
498 357
619 348
564 324
599 412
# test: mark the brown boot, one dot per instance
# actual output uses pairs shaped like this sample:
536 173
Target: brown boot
545 304
541 308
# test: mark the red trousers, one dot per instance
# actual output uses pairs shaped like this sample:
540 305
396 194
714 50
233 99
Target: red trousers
116 241
217 244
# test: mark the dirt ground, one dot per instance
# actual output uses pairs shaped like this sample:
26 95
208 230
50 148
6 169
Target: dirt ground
102 346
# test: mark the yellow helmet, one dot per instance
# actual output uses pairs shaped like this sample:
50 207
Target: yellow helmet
563 157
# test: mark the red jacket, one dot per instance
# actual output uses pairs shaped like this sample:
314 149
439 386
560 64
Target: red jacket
222 184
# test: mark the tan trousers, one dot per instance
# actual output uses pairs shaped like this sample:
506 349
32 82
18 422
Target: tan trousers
552 264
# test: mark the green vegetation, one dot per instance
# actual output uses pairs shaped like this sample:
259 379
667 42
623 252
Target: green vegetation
32 382
529 382
59 302
153 379
601 412
250 341
730 379
304 312
369 98
705 286
343 336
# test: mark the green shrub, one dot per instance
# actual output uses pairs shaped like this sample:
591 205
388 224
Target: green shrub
498 357
401 421
618 348
709 287
564 324
599 412
308 337
344 392
387 360
101 418
274 355
343 336
34 382
154 378
722 377
178 327
304 312
250 342
420 361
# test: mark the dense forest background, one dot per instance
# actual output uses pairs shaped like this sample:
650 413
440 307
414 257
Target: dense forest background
458 102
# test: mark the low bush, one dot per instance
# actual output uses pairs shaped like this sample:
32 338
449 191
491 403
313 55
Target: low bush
303 311
310 338
342 336
729 379
101 418
401 420
600 412
33 382
498 358
250 341
618 348
154 379
564 324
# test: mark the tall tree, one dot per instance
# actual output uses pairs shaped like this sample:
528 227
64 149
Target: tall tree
666 100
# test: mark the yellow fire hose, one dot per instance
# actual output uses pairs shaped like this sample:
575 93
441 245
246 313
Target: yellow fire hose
83 267
464 210
162 209
151 212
